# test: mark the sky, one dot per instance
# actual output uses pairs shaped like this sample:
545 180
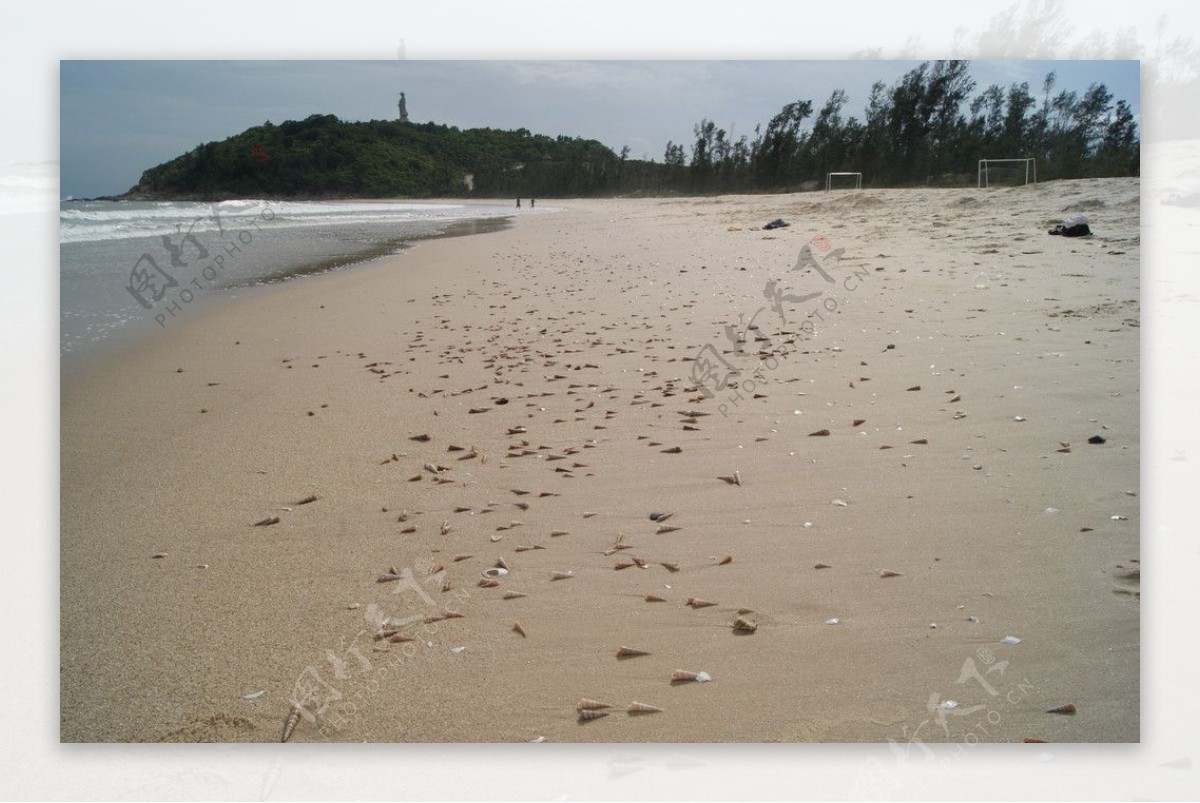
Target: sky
118 118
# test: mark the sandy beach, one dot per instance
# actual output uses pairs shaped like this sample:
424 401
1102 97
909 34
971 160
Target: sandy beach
949 561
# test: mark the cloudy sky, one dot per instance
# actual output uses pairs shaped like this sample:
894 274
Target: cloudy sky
120 117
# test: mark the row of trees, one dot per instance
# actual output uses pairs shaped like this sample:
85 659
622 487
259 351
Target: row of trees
927 128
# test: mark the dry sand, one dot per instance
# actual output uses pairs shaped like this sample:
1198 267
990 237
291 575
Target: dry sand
579 328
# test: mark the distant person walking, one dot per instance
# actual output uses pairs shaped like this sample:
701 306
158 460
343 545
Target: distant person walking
532 203
518 203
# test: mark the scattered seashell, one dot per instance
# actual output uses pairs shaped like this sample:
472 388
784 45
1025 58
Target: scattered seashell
822 566
1019 418
859 422
839 503
948 705
514 594
1011 641
158 555
629 652
387 578
537 740
671 567
445 527
587 514
1096 439
921 441
643 708
652 598
694 602
420 438
660 517
399 638
744 625
558 533
831 621
820 433
254 695
672 450
915 387
725 560
588 715
289 724
562 575
588 704
1030 740
684 676
889 573
487 582
517 627
667 528
1069 708
308 499
267 521
458 650
461 558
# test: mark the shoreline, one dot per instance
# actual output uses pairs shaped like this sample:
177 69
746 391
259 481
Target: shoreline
582 323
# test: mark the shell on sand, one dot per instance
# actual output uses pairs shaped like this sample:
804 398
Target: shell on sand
267 522
683 676
514 594
695 602
889 573
487 582
588 704
643 708
668 528
625 564
289 724
652 598
671 567
517 627
744 625
585 716
562 575
822 566
725 560
629 652
1069 708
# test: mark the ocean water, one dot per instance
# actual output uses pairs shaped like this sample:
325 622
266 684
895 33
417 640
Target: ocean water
134 267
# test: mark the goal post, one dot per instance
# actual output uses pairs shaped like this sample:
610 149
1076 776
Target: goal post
829 180
982 178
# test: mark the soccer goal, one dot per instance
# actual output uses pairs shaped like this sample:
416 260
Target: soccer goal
1014 171
829 180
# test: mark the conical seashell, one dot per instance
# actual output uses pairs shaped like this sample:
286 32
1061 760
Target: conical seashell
501 564
725 560
445 527
514 594
399 638
629 652
652 598
625 564
460 558
587 704
683 676
1069 708
289 724
671 567
585 716
517 627
820 433
558 533
308 499
695 602
668 528
822 566
488 582
562 575
643 708
267 522
889 573
588 514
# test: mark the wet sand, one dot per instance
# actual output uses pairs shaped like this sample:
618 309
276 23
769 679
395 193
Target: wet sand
958 357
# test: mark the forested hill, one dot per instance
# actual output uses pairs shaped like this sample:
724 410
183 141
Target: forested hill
324 157
930 127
